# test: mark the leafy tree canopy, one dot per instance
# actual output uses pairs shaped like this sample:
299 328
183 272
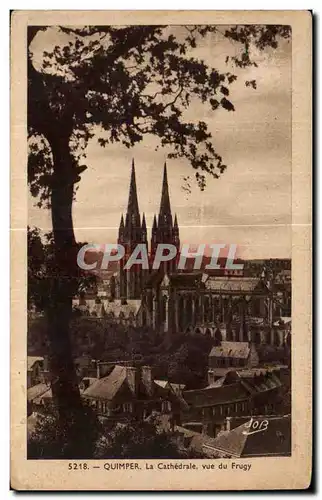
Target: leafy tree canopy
49 438
141 439
127 82
42 267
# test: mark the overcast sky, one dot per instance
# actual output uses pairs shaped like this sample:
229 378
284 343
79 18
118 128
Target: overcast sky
250 205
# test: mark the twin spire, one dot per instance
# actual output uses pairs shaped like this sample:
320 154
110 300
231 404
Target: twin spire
133 205
132 223
165 209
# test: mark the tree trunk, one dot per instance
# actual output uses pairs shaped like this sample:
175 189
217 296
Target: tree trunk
63 271
66 394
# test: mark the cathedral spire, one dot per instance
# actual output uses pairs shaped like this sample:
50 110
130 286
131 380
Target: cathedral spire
122 222
176 232
165 209
154 235
121 229
133 205
143 222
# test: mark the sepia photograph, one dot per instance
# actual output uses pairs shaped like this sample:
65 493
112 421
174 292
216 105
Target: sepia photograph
159 245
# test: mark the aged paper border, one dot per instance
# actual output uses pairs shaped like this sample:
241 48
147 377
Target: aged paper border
266 473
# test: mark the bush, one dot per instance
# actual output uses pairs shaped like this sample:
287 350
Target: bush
48 440
139 439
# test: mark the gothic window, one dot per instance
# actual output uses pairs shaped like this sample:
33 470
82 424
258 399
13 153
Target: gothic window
216 305
164 308
208 332
255 336
127 407
166 407
181 313
275 338
206 308
197 310
256 307
218 335
144 317
188 312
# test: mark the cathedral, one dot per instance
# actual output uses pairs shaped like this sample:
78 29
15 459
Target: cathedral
224 304
133 231
234 308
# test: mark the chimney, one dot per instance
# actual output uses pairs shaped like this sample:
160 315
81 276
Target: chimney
132 379
98 369
253 358
46 363
103 368
85 383
147 379
211 377
45 373
228 423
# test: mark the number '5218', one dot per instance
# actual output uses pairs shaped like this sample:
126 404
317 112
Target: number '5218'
75 466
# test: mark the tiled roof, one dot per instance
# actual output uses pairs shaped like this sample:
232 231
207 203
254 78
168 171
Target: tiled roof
267 383
188 280
161 383
90 381
195 438
107 387
31 360
177 387
273 440
222 371
218 383
45 395
238 350
210 396
117 308
235 284
284 320
181 280
36 391
254 372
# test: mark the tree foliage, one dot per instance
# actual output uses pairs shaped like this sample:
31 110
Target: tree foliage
50 439
129 82
42 269
132 439
140 439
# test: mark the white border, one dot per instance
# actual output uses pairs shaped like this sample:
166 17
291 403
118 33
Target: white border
4 197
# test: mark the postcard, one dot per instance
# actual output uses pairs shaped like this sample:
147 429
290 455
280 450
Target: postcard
161 250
